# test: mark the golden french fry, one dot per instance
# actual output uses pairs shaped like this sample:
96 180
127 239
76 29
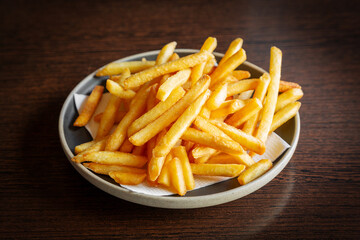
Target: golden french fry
147 75
228 107
180 152
206 139
164 177
180 126
285 114
118 67
172 83
209 66
118 136
255 171
241 116
156 111
285 86
177 176
118 91
106 169
139 150
205 112
225 170
82 147
116 158
126 147
89 107
228 66
242 86
240 74
272 95
118 116
172 114
259 93
128 178
99 146
222 158
197 71
200 151
165 53
206 126
288 97
217 97
234 47
244 139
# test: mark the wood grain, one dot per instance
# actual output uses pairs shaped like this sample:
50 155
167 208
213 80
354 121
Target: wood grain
47 47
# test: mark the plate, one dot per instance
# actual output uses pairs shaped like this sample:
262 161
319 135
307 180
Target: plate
208 196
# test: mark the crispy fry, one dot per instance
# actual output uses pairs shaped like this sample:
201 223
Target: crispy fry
156 111
250 109
200 151
177 176
180 152
106 169
182 63
127 178
99 146
89 107
117 90
172 114
172 83
82 147
165 53
118 116
272 95
240 74
217 97
285 114
209 66
222 158
164 177
244 139
139 150
205 112
285 86
242 86
228 107
116 158
228 66
126 147
198 70
234 47
118 67
225 170
118 136
288 97
255 171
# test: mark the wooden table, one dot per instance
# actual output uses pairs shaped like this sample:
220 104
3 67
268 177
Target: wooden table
46 48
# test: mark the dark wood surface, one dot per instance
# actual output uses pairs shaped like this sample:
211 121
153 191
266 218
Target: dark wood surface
46 48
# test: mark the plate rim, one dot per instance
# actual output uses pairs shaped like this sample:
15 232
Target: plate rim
171 201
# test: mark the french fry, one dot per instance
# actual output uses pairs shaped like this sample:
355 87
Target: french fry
179 127
82 147
118 116
147 75
285 86
118 67
208 127
242 86
241 116
198 70
180 152
156 111
106 169
165 53
228 107
139 150
224 170
288 97
118 136
209 66
173 57
116 158
117 90
177 176
171 115
285 114
164 177
234 47
89 107
205 112
222 158
126 147
200 151
217 97
272 95
172 83
255 171
206 139
228 66
240 74
98 146
259 93
244 139
127 178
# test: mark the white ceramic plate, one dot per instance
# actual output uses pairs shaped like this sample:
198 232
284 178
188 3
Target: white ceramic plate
208 196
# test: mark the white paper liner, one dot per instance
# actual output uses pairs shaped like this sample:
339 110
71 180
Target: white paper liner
275 146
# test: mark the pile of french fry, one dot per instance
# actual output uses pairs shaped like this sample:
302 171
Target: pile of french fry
177 117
